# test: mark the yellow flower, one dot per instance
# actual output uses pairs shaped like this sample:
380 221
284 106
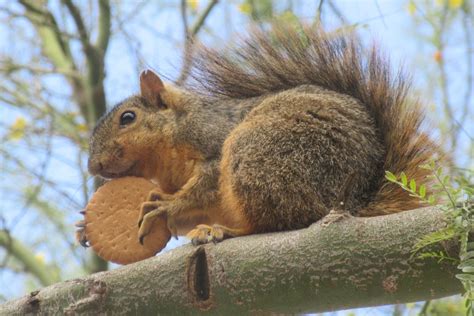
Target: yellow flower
245 8
82 128
193 4
40 257
17 130
411 7
455 4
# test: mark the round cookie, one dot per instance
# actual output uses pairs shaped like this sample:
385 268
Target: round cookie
111 218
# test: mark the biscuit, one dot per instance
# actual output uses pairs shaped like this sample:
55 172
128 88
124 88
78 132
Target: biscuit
111 218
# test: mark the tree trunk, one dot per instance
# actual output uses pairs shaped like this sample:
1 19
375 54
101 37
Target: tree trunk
352 263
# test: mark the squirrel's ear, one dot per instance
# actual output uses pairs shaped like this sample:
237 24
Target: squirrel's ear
151 87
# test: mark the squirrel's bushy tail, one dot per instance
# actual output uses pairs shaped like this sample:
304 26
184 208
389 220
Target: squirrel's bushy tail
286 57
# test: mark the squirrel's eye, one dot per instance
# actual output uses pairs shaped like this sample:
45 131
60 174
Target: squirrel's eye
127 117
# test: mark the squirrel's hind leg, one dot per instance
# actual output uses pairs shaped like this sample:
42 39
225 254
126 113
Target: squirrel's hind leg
283 166
230 214
266 177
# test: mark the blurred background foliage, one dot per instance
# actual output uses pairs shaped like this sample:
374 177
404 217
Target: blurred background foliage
64 62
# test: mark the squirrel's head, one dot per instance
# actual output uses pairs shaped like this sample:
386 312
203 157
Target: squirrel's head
126 141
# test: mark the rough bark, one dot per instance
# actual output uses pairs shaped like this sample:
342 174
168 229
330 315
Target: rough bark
351 263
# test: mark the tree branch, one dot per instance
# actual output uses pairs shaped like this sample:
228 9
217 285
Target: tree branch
468 39
319 12
190 36
88 87
54 45
95 57
352 263
338 13
200 20
78 20
104 25
184 18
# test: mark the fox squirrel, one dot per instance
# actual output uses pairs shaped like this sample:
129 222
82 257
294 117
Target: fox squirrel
266 137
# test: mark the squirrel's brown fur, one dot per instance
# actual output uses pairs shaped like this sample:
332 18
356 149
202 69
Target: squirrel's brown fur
287 58
268 134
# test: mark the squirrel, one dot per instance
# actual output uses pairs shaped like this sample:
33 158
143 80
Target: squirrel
266 135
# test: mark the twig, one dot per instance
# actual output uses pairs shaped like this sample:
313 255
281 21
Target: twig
104 25
424 309
202 18
41 17
189 40
439 44
184 19
319 11
380 13
337 12
8 66
27 258
78 20
41 179
469 62
50 184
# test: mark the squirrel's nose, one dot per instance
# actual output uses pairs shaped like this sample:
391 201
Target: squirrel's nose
94 166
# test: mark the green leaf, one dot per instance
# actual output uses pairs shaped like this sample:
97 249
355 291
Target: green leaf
466 263
467 255
445 179
390 176
469 191
422 191
435 237
259 11
404 179
426 167
431 199
413 185
465 277
439 172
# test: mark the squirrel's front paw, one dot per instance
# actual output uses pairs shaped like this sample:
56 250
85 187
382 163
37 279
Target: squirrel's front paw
150 211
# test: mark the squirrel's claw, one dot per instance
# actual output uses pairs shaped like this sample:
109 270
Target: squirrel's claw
148 214
146 224
172 227
334 216
157 205
81 234
84 242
